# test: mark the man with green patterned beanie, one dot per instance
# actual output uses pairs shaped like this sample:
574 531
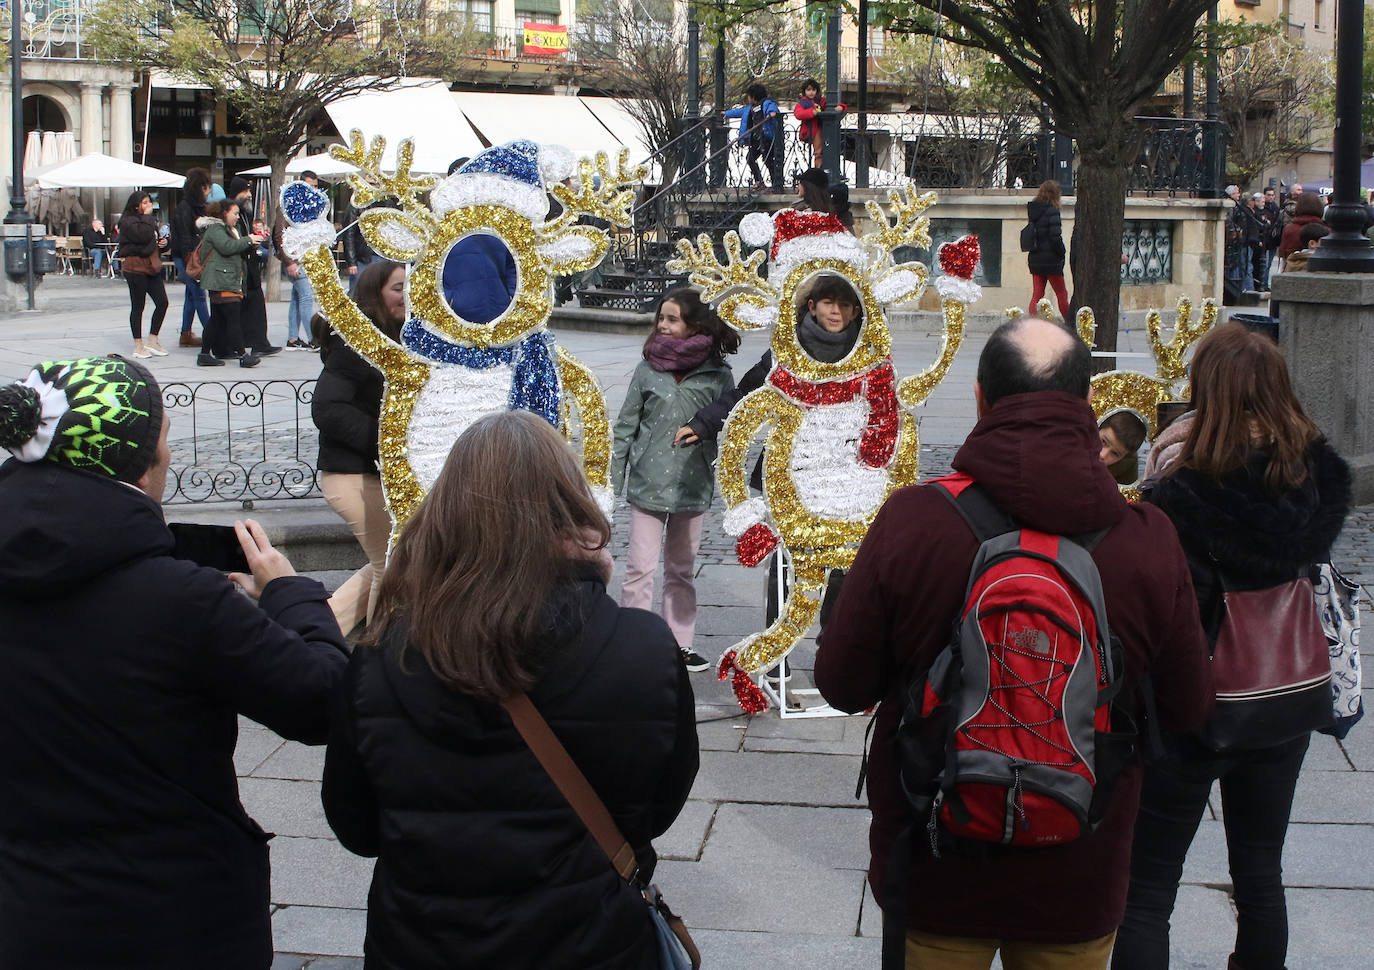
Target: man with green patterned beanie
123 674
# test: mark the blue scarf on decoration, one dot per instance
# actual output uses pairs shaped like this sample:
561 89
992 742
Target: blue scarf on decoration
535 386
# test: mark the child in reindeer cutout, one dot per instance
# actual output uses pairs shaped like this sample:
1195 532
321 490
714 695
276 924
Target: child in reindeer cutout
838 435
1125 394
478 297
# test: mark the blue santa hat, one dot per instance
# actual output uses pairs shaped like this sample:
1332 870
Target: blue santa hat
511 175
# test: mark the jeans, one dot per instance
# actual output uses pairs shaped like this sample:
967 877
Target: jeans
97 260
195 304
301 308
762 145
353 277
1256 798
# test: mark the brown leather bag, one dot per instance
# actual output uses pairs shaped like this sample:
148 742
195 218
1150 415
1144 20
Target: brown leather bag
592 811
1271 669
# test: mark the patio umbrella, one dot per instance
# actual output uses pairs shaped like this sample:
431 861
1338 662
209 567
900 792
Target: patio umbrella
98 171
59 205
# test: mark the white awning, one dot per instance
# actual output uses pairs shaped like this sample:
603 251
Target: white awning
97 171
613 113
322 164
547 119
160 78
423 111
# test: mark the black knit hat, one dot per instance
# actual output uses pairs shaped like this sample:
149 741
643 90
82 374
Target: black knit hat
237 186
98 414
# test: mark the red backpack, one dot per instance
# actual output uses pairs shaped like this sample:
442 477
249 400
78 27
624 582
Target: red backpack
1007 742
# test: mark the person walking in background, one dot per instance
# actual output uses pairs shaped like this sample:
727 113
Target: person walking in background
356 251
759 128
495 592
1257 496
1045 258
1273 232
94 240
140 263
225 253
302 300
254 303
670 484
184 238
1307 209
346 408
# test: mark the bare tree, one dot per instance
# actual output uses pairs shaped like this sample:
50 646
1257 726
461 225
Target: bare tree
1093 63
1275 100
277 63
974 110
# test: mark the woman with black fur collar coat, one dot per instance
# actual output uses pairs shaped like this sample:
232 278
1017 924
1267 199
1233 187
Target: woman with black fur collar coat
1257 492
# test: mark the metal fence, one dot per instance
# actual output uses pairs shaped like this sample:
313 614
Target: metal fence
241 441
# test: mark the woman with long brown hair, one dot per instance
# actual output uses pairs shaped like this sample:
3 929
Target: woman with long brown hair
496 586
346 409
1258 497
1045 258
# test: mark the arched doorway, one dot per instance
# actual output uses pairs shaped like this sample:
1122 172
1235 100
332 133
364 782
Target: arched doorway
42 113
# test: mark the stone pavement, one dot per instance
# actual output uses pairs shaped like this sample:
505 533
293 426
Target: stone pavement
767 860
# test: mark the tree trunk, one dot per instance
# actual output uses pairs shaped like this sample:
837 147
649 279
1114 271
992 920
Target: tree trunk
271 273
1099 217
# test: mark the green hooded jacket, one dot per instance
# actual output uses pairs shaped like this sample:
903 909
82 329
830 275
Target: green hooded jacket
223 253
655 475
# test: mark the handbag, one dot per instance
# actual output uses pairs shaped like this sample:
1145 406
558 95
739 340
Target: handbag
1271 669
195 262
1338 608
676 950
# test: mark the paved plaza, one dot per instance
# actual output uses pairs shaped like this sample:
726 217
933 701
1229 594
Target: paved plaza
767 861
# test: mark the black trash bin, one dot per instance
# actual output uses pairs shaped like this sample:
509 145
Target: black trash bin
1259 322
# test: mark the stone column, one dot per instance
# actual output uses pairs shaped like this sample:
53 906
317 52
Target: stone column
1326 331
92 132
122 122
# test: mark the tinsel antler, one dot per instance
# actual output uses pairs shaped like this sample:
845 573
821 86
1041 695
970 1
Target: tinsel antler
1170 356
910 228
370 183
715 278
608 197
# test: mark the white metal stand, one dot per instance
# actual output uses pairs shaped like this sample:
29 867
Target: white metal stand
791 702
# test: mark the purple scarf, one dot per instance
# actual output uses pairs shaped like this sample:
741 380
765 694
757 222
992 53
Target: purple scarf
666 353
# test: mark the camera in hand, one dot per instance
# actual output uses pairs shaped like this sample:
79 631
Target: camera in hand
215 546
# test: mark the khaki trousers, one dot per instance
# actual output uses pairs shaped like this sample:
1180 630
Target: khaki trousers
358 500
926 951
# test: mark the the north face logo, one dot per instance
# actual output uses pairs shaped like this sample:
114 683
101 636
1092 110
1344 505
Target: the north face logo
1031 639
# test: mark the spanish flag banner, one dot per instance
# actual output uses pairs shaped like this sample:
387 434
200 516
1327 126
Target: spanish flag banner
545 38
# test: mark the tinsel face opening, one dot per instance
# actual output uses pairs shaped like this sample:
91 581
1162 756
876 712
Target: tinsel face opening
452 253
870 349
530 309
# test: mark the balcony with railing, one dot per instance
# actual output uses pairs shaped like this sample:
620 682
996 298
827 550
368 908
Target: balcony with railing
52 28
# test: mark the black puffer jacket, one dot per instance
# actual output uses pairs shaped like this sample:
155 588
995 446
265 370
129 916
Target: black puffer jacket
1258 539
481 861
123 844
1046 258
185 234
346 408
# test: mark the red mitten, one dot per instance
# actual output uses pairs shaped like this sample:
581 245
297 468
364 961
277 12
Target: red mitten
755 544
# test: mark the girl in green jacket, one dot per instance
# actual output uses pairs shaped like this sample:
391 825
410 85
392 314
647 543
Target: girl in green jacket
670 486
224 254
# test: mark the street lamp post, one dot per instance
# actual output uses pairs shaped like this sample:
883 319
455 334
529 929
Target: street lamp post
18 214
1346 249
830 118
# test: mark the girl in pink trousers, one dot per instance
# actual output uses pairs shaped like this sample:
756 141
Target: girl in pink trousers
669 482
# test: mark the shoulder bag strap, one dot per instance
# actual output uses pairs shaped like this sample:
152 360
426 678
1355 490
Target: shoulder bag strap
572 783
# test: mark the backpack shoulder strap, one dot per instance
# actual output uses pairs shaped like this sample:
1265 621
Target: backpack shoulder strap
976 507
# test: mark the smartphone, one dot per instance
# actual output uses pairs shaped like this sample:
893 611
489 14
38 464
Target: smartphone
1167 412
215 546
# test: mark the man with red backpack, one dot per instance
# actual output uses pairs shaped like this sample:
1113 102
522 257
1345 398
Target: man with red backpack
1004 776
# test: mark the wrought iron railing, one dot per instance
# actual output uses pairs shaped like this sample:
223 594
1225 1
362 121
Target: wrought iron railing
1148 248
1175 157
241 441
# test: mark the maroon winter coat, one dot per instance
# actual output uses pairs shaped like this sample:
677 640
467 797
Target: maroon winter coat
1037 456
1291 240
